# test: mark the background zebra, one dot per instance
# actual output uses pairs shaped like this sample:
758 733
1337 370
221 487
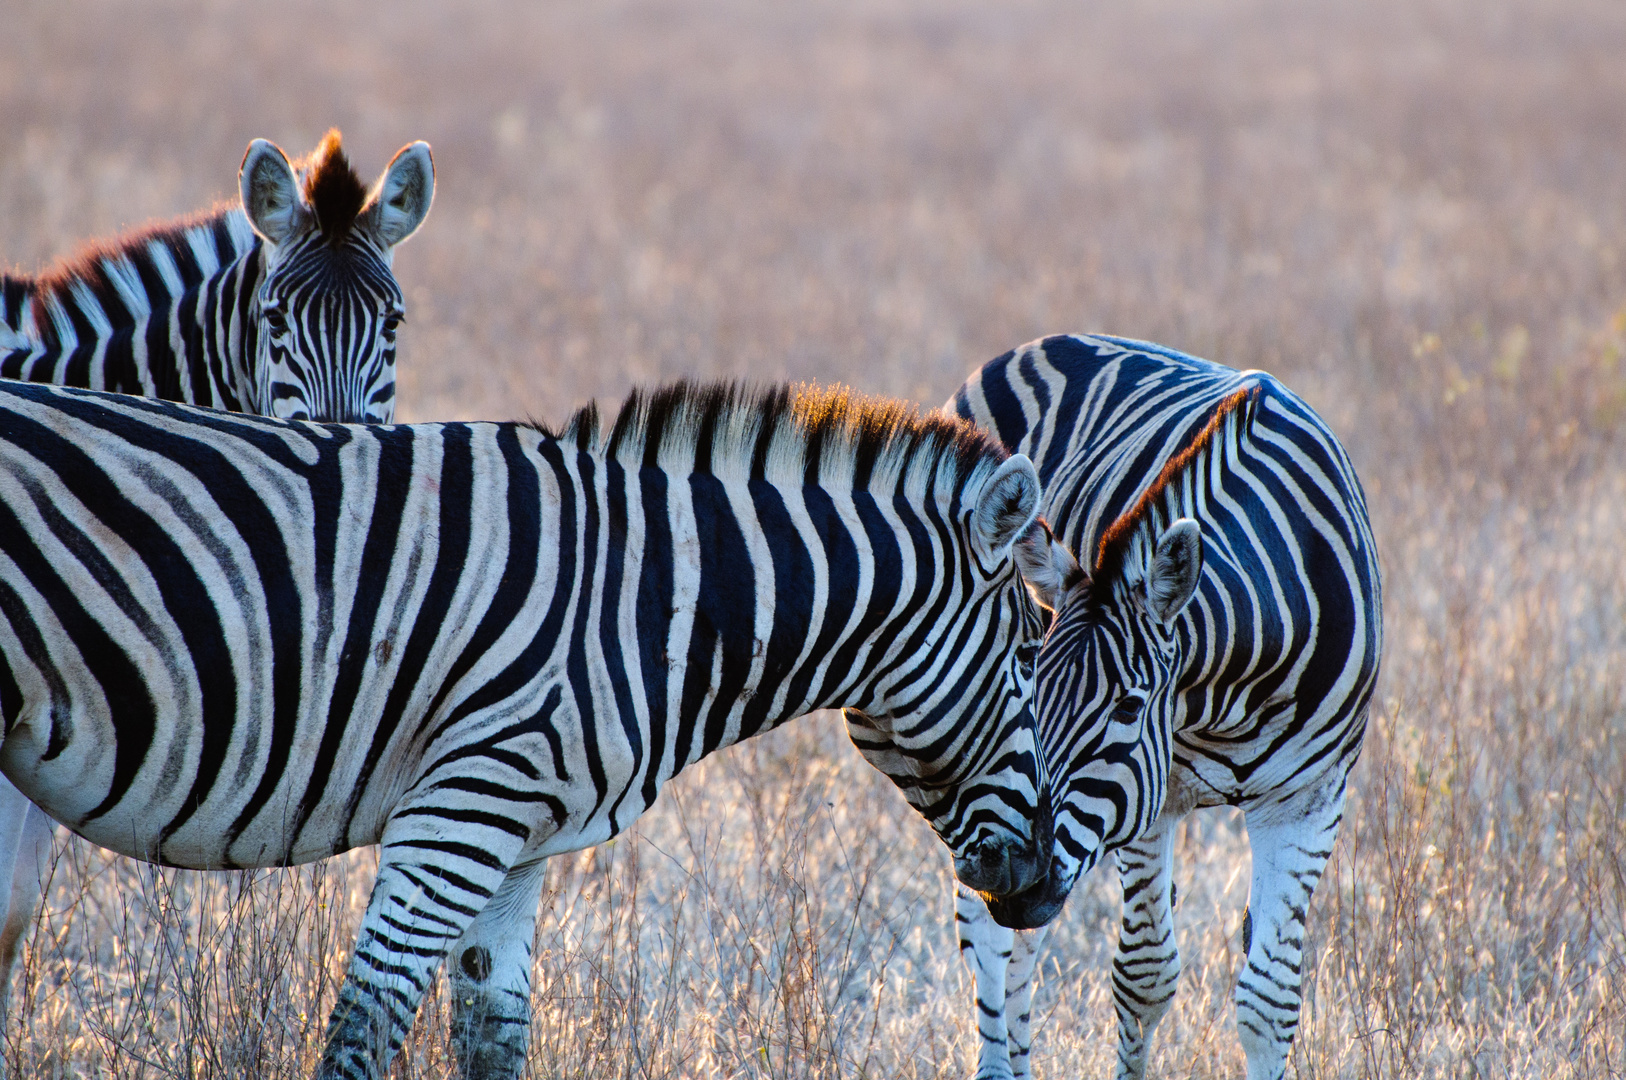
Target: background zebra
283 305
230 641
1220 650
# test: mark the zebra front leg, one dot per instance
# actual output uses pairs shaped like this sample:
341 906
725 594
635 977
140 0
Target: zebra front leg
1019 998
986 947
1291 843
1147 967
428 893
490 977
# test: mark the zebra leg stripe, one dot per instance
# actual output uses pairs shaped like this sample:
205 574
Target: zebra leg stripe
986 948
1147 967
1019 998
490 979
426 897
1291 843
1002 962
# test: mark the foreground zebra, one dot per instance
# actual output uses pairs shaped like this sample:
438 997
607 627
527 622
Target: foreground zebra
284 305
227 641
1219 650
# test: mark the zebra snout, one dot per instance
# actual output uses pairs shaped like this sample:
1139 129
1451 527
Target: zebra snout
1003 867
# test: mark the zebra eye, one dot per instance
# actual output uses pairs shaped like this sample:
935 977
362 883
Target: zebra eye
392 322
1127 708
276 320
1027 655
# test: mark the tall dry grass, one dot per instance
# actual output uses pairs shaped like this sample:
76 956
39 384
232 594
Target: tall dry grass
1411 210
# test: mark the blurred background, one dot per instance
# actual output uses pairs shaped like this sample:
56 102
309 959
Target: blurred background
1412 211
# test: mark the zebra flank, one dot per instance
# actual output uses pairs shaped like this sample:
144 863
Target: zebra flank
283 304
228 641
1217 646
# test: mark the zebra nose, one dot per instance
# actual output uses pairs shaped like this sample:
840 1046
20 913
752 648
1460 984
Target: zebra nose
994 868
1003 867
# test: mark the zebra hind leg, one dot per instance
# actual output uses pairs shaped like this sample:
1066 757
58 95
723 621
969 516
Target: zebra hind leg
1147 967
490 979
428 892
1291 842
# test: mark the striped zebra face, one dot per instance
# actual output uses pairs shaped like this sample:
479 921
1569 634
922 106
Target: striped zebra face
328 320
955 726
328 303
1104 696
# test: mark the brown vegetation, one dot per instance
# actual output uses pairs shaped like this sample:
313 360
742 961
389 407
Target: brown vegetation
1413 211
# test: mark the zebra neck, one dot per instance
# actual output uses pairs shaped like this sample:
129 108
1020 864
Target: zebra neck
216 328
765 617
135 318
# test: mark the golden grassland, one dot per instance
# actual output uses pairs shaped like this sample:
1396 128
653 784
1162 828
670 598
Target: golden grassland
1414 211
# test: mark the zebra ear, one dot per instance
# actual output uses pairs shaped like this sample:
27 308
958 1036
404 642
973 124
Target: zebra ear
270 192
1176 566
1007 505
1048 567
402 196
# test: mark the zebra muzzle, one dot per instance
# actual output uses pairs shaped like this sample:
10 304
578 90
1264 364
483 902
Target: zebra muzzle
1003 867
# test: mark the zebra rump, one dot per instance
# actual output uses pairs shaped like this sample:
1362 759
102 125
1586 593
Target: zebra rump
230 641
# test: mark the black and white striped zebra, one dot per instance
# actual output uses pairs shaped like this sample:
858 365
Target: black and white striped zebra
229 641
1220 649
285 305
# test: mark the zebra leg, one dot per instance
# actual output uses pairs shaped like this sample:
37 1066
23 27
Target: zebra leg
1147 966
490 979
986 947
32 863
1291 842
429 891
1019 997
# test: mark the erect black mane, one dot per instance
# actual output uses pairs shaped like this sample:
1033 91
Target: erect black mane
86 268
335 193
821 428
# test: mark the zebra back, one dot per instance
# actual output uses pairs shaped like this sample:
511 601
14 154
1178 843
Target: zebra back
284 304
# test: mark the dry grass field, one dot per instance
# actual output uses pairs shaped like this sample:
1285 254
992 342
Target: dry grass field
1414 211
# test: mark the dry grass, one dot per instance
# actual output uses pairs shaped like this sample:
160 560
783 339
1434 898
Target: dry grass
1412 210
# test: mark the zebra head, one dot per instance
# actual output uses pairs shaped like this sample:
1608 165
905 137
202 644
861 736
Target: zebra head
956 731
1105 695
328 304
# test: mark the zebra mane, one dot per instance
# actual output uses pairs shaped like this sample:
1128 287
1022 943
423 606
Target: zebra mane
787 434
331 187
1115 543
25 300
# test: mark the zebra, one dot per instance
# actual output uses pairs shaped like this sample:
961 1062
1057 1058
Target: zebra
1220 649
283 305
233 641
